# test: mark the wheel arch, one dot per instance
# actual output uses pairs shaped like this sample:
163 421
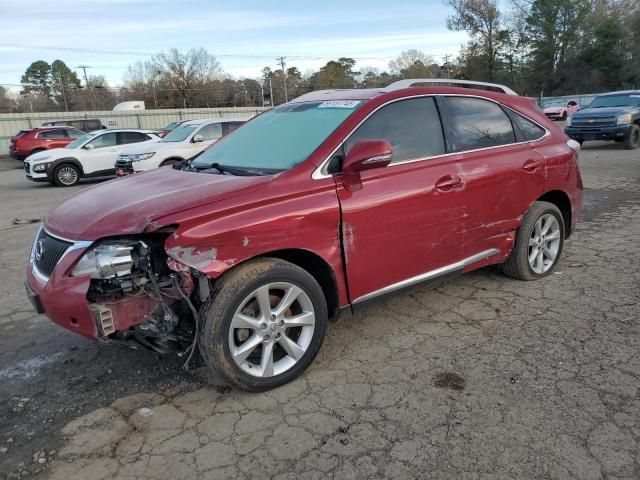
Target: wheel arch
318 268
172 157
71 160
561 200
313 264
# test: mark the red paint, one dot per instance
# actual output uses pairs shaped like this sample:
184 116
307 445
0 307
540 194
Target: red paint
26 142
400 221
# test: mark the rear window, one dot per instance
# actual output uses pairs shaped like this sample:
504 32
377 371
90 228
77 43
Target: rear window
20 133
473 123
526 130
93 124
53 133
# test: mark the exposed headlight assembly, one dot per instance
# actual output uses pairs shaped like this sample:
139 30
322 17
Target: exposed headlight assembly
107 260
625 119
40 167
141 156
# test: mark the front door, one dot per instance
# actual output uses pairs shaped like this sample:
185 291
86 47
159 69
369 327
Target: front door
406 223
102 157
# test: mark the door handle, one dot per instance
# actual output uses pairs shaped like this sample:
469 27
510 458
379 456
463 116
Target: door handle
531 165
448 183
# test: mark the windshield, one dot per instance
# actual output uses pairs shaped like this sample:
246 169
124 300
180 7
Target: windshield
179 134
616 101
79 141
171 126
280 138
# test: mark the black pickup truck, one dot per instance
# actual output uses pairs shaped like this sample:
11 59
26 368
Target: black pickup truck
611 116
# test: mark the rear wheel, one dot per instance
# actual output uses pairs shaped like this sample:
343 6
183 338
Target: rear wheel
66 175
632 141
538 244
264 325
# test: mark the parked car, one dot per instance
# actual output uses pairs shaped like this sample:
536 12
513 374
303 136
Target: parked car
91 155
34 140
84 124
312 208
611 116
183 142
163 132
560 109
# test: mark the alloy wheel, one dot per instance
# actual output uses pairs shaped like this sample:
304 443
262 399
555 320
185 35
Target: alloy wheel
544 244
67 176
272 329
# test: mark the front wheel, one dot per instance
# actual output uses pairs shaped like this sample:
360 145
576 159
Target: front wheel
264 324
538 244
66 175
632 141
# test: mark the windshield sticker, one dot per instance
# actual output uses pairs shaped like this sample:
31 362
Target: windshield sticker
340 104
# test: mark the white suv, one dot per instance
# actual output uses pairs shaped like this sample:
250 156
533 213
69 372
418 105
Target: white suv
91 155
182 143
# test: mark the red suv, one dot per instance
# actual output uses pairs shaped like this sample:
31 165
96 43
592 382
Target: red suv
28 142
246 251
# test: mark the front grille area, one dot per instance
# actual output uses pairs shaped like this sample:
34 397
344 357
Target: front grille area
27 168
48 251
595 122
125 164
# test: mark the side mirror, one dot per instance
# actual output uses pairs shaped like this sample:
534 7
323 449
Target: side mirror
364 155
198 139
88 146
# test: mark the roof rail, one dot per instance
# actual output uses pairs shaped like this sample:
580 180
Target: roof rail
494 87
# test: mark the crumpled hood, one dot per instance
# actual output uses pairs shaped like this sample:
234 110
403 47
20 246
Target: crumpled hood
603 112
127 205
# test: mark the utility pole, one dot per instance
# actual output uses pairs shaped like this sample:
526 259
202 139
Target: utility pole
64 94
86 84
446 62
270 93
261 83
284 77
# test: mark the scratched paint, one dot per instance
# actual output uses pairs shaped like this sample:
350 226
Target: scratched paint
198 259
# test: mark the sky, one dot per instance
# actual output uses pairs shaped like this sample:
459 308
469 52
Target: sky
245 36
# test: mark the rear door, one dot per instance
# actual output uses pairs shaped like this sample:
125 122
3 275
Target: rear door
502 173
401 228
54 138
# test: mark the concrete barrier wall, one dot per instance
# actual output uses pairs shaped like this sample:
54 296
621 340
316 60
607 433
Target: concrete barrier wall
11 123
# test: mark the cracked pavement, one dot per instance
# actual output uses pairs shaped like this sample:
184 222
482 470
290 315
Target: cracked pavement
549 387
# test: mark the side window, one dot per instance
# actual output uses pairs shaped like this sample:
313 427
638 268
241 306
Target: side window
213 131
74 133
76 124
52 134
412 127
472 123
92 125
131 137
525 128
229 127
106 140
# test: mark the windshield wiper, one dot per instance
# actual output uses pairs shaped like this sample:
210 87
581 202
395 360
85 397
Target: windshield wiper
240 172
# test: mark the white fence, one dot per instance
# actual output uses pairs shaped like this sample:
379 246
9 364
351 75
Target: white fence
11 123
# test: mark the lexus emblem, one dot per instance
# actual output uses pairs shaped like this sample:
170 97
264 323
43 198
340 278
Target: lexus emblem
39 250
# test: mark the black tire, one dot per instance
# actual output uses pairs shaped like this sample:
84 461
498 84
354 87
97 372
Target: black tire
228 295
517 265
63 180
169 161
632 141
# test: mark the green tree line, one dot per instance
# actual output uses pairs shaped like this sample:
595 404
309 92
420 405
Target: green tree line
537 47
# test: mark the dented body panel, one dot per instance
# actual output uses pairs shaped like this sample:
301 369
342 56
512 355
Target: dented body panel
400 225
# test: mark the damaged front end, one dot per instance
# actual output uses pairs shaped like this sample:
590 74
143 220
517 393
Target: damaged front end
139 296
